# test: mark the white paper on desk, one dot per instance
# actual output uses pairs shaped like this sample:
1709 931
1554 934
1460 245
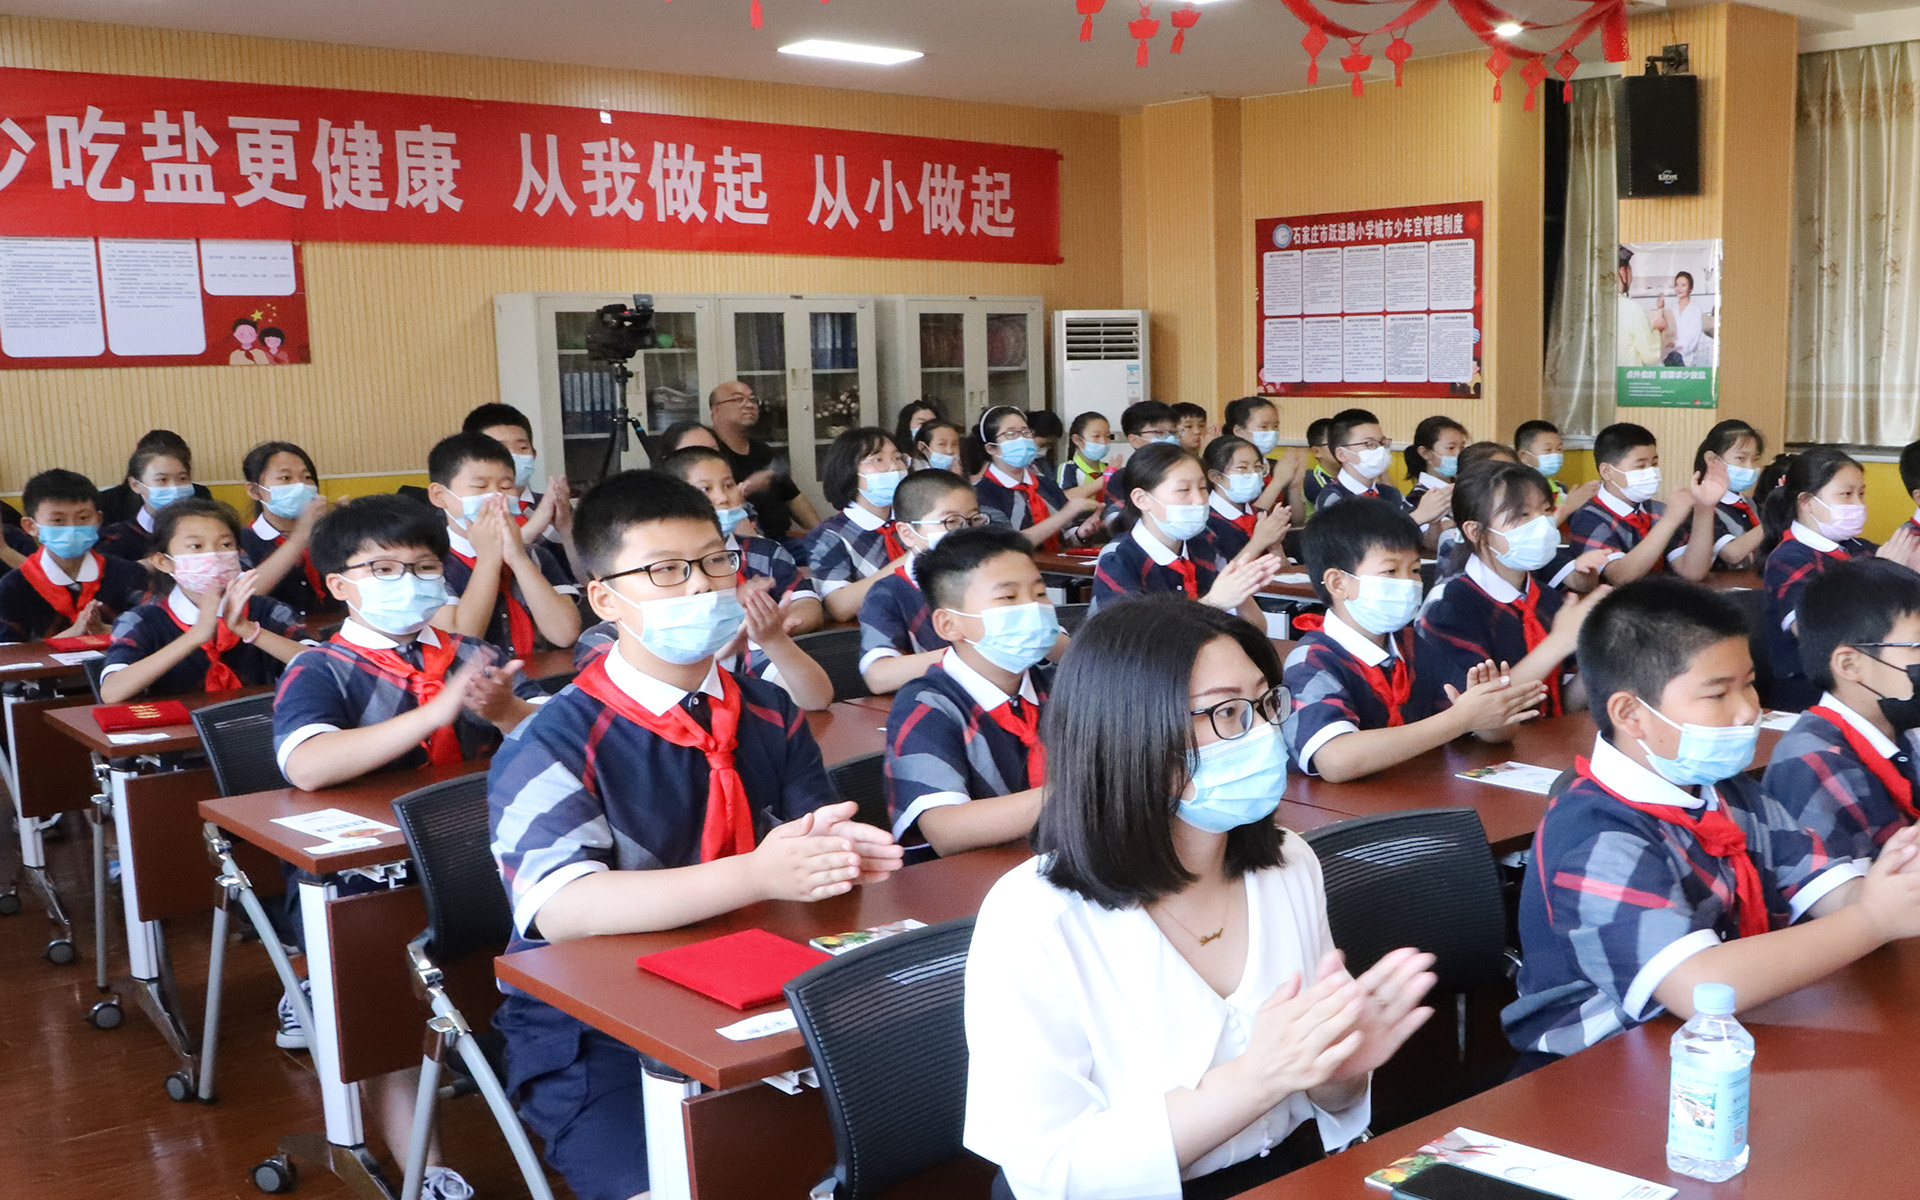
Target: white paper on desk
1525 1165
337 825
1778 721
764 1025
74 658
1291 577
336 846
1522 777
134 739
18 666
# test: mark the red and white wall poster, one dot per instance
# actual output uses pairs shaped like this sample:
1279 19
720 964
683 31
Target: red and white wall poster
1381 302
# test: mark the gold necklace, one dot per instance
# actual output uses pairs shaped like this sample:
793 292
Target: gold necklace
1203 938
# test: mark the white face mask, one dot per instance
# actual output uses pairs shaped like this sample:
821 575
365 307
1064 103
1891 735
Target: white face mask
1372 464
1637 487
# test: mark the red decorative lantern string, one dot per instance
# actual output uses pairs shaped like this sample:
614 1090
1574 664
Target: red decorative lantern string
1142 29
1087 9
1183 20
1398 52
1356 62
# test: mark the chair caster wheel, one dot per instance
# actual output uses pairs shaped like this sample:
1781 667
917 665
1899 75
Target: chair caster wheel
106 1015
60 952
180 1087
9 904
274 1175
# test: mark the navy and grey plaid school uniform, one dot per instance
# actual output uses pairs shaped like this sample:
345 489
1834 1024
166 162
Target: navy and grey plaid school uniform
1331 693
1614 899
1424 484
25 615
258 542
1228 537
1138 563
333 687
1005 504
499 632
944 746
578 789
1734 517
131 539
1606 523
847 547
1348 486
145 630
895 620
1822 783
1803 553
1477 617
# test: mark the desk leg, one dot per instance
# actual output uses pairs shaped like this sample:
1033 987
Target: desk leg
667 1172
33 857
150 971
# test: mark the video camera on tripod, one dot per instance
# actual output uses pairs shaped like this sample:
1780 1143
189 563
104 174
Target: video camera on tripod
619 332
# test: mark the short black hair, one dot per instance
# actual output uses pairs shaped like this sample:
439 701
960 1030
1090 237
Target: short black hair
387 522
1045 423
245 321
1339 537
491 416
840 472
169 519
924 437
1186 410
1851 603
1317 431
1425 436
1643 636
1219 452
1147 470
942 571
1493 490
1910 467
59 486
1118 733
273 331
668 439
1240 411
1529 430
254 465
1485 452
619 502
1724 437
1620 439
922 491
449 454
681 463
158 443
1136 417
903 432
1341 425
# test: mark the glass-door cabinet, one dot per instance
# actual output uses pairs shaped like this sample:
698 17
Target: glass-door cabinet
811 362
964 353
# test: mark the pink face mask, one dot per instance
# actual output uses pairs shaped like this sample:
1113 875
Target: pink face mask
206 574
1843 521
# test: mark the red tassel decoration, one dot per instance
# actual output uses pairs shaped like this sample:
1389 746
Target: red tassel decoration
755 14
1565 68
1183 20
1497 62
1398 52
1533 72
1314 43
1356 62
1613 34
1086 9
1142 29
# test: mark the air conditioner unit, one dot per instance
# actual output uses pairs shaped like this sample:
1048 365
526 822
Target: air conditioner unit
1100 361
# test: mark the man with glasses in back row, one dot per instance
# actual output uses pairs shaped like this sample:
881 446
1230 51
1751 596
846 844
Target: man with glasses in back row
779 509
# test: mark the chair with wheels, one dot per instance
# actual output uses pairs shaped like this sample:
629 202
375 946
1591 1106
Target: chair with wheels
1070 616
469 922
863 781
838 653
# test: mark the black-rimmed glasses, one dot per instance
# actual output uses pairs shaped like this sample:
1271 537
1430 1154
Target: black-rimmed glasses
672 572
956 521
393 568
1235 718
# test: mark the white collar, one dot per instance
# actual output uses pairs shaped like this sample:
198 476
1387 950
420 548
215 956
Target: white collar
1155 548
1865 728
265 529
354 632
458 543
181 606
1615 504
858 514
89 568
1916 516
1353 483
144 518
1430 480
985 693
1356 643
1813 537
1217 500
1628 778
655 695
1497 589
527 495
1006 480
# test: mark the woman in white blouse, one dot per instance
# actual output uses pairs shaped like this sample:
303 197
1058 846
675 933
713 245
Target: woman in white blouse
1154 1004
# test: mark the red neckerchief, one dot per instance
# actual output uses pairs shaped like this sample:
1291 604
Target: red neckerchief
1305 623
1394 686
1718 836
423 683
519 620
1839 550
1189 575
1534 631
1245 521
890 535
1739 502
1640 519
220 676
905 571
1026 727
728 827
306 565
1037 510
1897 784
57 597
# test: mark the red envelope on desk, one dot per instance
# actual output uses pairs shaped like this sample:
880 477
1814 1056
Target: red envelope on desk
740 970
92 641
118 718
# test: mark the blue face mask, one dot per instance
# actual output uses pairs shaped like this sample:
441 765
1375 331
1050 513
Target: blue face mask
400 606
1550 464
878 488
1236 782
1167 439
470 506
1017 636
523 469
1244 488
1530 545
1182 522
686 629
1707 753
939 461
1384 605
1095 451
730 519
1449 466
159 497
289 500
1742 479
68 541
1019 453
1264 440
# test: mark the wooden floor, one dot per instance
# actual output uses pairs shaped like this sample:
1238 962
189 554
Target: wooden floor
83 1112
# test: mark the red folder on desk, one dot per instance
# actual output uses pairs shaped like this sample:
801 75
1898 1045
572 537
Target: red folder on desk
740 970
118 718
91 641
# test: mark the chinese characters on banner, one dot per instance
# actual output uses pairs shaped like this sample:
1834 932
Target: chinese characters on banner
116 156
1667 344
1378 303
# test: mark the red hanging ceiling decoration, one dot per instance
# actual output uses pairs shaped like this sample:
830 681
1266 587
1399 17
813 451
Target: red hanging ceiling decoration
1484 19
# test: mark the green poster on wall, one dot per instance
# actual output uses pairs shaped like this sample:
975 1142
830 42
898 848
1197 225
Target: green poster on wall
1667 337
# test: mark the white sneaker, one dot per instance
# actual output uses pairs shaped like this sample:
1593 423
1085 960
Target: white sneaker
444 1183
292 1035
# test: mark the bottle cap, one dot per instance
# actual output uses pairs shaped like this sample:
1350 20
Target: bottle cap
1715 999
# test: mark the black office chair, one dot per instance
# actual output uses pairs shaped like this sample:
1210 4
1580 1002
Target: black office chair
863 781
1071 616
237 736
856 1013
838 653
1752 603
553 685
96 669
468 918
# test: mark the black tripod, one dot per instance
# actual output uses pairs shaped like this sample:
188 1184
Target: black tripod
623 421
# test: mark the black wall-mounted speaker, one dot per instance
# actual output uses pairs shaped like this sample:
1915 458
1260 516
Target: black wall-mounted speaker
1657 135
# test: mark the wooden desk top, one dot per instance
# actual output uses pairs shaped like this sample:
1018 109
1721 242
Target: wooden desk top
250 817
1833 1069
543 664
78 724
41 665
847 731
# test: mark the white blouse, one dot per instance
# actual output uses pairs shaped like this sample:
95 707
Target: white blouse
1081 1019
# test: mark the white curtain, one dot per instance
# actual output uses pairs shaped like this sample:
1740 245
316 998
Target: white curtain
1854 375
1578 374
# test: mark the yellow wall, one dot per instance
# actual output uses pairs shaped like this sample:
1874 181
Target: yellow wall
403 335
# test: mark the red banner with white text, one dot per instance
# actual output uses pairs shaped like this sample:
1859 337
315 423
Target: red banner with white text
123 156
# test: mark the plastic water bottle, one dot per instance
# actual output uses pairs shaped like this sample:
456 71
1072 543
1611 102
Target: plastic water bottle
1707 1103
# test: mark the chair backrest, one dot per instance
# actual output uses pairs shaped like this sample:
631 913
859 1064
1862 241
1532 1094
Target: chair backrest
1752 603
885 1028
447 832
238 738
863 781
1070 616
1423 878
96 670
553 685
838 653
